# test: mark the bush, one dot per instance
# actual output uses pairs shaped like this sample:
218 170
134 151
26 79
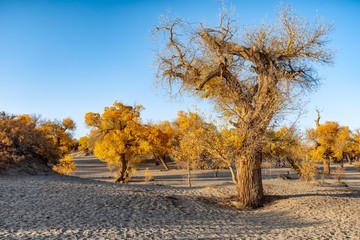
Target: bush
21 141
65 166
338 173
148 176
357 165
308 170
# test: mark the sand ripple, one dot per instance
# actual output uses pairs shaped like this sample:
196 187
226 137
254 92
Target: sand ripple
58 207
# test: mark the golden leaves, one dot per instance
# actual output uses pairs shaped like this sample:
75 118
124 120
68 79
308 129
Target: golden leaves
119 133
22 139
65 166
331 139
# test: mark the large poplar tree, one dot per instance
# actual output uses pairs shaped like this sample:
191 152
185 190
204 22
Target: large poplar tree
250 74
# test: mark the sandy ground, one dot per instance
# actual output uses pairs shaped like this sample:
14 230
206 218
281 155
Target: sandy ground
59 207
92 168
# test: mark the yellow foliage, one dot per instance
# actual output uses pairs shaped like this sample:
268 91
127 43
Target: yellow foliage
21 139
159 137
188 150
84 144
148 176
308 170
120 137
60 134
68 124
200 142
331 139
284 144
65 166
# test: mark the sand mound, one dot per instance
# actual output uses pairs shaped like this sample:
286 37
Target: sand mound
28 167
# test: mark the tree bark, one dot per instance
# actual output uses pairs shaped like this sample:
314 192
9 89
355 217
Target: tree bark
122 178
233 175
326 163
294 165
349 159
163 161
249 180
216 171
189 174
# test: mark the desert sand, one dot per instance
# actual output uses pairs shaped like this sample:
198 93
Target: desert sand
62 207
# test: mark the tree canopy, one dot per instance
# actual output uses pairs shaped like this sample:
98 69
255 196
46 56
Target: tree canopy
120 139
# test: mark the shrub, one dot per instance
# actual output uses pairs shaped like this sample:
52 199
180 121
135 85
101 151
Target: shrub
308 170
148 176
357 165
338 173
21 140
65 166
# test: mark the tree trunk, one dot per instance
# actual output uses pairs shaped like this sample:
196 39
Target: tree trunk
233 175
294 165
163 161
326 163
122 173
189 174
249 181
216 171
349 159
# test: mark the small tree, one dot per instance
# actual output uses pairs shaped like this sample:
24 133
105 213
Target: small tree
285 144
159 137
65 166
120 139
186 151
84 145
60 133
330 142
223 145
308 170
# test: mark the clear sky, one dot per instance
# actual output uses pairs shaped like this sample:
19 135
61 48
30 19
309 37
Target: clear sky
65 58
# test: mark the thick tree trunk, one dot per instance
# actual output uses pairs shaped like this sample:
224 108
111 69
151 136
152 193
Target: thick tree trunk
122 173
162 160
249 181
326 163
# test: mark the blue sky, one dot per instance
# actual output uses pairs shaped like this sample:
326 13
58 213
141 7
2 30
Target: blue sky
65 58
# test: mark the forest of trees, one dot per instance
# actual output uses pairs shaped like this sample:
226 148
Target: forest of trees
251 78
121 139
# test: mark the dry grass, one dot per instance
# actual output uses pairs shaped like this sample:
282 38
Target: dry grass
357 164
148 176
308 170
338 173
